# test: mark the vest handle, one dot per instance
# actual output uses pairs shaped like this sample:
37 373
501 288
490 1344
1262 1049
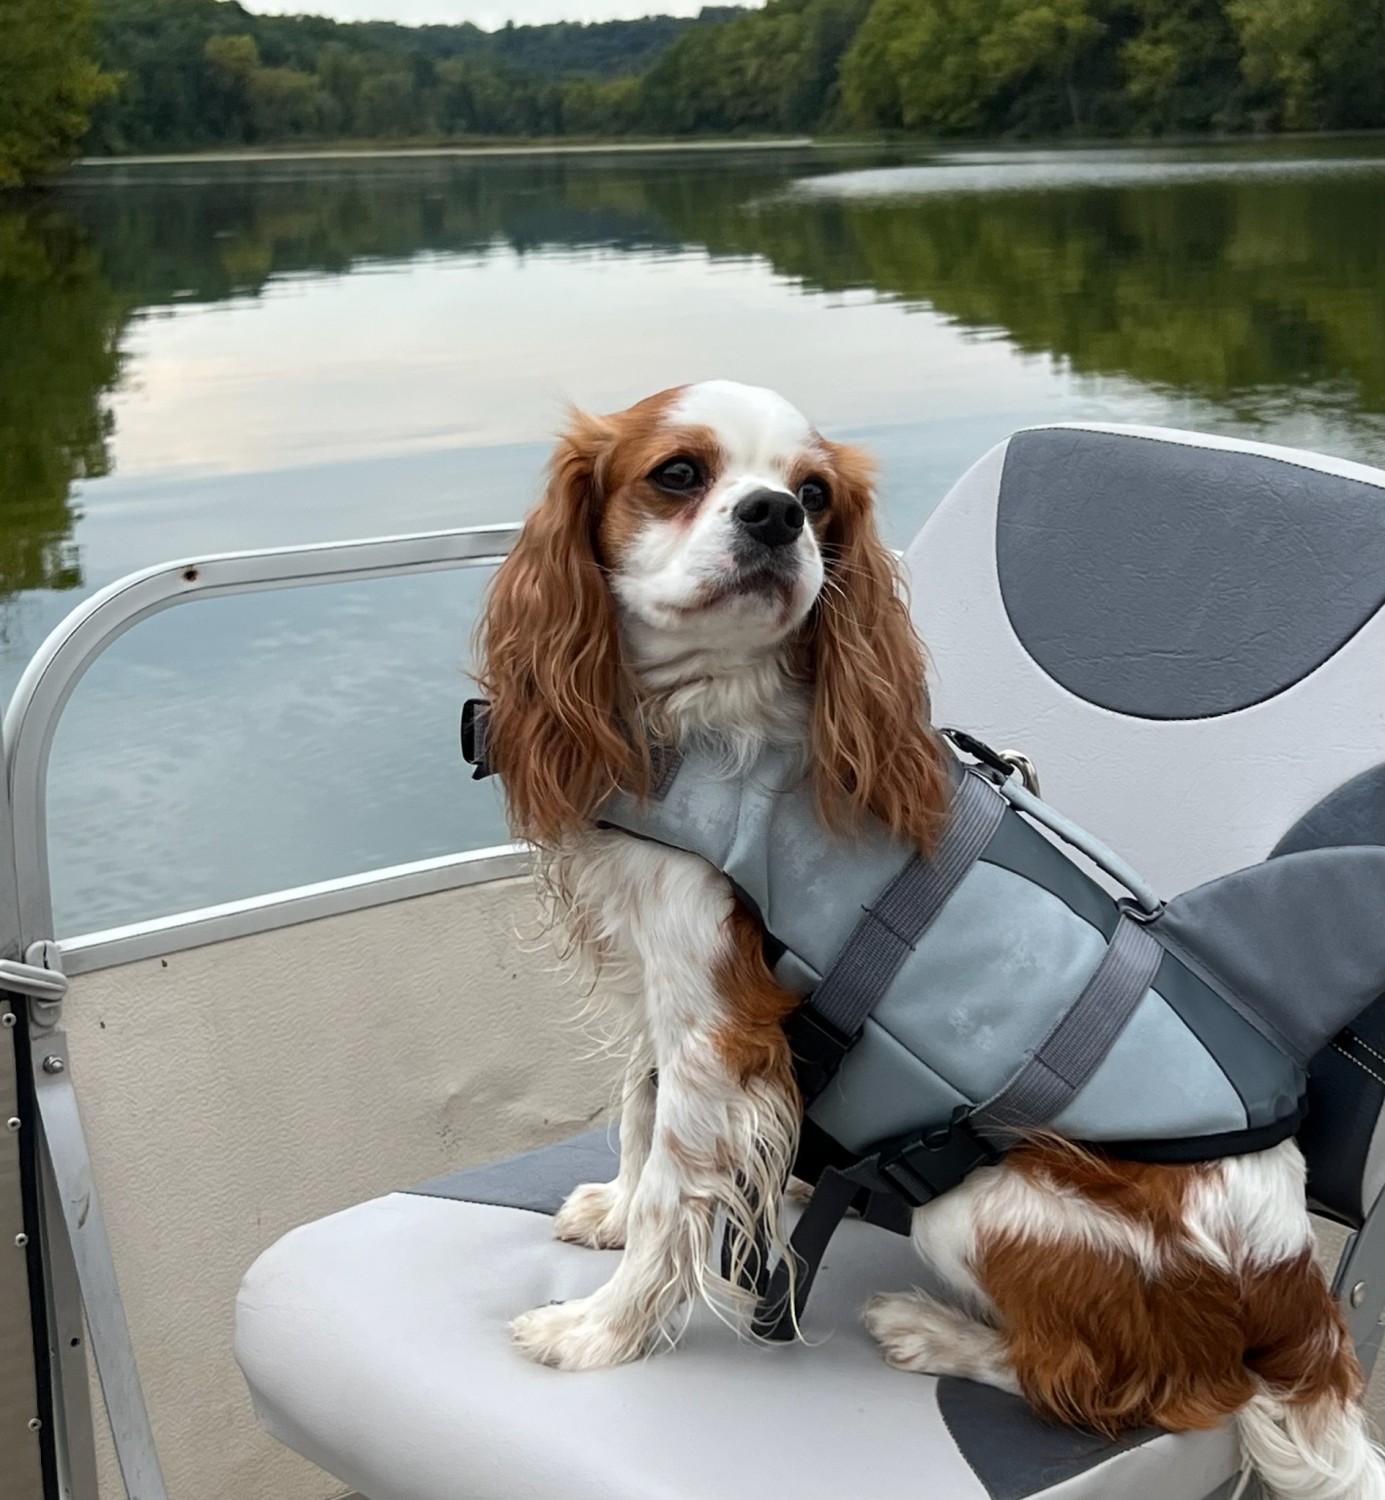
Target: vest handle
1011 786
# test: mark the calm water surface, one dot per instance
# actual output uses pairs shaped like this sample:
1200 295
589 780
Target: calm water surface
195 358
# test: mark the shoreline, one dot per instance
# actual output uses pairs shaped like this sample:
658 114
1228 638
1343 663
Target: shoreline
363 151
346 153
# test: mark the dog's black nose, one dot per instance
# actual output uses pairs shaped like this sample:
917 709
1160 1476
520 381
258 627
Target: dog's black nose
770 517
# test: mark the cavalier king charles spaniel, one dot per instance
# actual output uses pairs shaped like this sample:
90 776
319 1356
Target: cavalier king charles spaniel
706 565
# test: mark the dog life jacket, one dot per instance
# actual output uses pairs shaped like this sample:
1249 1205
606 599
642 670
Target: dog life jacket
952 1002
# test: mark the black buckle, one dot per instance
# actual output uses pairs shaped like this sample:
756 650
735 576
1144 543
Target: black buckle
929 1164
474 714
968 744
818 1049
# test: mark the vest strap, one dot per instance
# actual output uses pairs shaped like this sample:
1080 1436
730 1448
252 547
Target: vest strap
1079 1040
777 1313
824 1028
885 1188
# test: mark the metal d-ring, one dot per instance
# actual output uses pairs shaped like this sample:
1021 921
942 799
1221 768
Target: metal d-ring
1019 761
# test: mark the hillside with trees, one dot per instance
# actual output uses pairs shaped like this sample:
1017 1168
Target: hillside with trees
178 75
197 73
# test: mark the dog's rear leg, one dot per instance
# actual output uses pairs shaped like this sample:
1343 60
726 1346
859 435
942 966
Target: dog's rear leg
953 1337
919 1333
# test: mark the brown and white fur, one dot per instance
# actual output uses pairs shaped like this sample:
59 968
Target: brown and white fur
638 603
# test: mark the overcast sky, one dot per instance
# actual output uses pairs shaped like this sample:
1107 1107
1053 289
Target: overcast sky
487 13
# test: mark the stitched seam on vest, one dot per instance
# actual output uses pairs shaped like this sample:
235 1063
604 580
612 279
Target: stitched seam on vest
1000 864
1128 1446
901 938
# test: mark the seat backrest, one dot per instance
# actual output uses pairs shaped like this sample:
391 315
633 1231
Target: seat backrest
1186 634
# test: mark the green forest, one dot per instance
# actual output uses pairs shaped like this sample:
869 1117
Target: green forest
120 76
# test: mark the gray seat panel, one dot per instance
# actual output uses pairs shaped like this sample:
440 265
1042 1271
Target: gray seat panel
374 1344
1197 581
536 1180
1353 814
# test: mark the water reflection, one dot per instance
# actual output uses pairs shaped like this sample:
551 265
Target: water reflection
60 324
217 356
1253 292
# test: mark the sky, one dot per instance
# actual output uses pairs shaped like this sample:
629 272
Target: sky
487 13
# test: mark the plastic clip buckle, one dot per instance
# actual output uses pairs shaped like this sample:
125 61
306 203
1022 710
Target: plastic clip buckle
935 1161
474 714
818 1049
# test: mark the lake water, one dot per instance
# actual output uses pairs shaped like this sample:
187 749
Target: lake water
213 356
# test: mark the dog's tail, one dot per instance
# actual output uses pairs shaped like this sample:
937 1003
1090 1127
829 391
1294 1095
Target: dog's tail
1304 1429
1315 1450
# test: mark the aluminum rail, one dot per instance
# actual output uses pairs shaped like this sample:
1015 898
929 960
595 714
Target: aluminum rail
48 682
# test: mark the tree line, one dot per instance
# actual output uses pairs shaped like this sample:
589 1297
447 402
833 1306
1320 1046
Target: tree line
155 75
205 73
1027 68
202 72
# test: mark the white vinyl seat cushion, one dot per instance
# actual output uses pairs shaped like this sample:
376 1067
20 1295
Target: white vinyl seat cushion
374 1343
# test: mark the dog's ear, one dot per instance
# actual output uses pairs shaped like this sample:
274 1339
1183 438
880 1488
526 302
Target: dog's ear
873 748
550 656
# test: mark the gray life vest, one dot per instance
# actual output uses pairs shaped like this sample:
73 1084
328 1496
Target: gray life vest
952 1002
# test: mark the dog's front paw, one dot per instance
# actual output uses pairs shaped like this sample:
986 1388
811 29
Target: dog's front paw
593 1215
573 1336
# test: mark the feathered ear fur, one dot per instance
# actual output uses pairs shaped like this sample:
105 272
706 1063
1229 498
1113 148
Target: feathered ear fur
872 747
550 657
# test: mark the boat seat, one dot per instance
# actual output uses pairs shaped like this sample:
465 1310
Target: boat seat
375 1345
1187 636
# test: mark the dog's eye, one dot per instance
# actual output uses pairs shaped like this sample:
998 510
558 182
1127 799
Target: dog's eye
813 495
679 476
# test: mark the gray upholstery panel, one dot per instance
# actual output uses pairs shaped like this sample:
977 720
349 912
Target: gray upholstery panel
1170 581
1010 1453
536 1180
1353 814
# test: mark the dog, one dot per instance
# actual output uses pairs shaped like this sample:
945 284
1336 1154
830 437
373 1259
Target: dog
705 567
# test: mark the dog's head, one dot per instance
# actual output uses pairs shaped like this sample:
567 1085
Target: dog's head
707 529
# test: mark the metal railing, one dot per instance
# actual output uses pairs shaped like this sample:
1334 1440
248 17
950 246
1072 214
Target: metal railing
76 1281
36 708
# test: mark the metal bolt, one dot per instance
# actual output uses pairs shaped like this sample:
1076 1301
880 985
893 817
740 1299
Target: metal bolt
7 1019
1358 1294
35 1425
54 1064
12 1124
21 1240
